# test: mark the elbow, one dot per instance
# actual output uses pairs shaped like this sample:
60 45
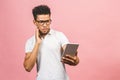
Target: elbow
27 69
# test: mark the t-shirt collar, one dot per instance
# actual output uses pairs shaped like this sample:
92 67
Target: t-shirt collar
50 32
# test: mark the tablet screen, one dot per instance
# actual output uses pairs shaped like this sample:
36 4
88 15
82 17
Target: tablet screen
71 49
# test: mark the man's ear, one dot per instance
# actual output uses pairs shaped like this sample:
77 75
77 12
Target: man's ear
34 22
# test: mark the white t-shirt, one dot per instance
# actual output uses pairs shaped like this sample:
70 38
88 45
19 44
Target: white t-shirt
49 65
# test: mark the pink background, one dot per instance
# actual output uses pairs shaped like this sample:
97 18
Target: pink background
94 24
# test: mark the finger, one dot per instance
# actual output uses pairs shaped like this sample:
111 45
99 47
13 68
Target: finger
70 57
36 33
67 62
67 59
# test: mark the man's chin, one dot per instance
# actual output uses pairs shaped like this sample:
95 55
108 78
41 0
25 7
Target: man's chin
44 32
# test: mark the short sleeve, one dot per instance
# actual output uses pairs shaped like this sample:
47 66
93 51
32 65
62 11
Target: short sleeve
63 39
29 45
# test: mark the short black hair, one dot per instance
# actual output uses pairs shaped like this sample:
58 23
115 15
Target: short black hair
39 10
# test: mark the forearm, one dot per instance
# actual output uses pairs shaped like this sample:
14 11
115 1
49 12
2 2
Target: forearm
31 59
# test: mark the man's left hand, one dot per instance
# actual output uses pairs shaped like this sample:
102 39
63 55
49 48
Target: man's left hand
71 60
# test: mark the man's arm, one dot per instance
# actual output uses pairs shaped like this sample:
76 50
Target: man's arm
31 57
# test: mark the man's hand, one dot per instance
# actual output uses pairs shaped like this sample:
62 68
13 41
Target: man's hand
37 36
70 60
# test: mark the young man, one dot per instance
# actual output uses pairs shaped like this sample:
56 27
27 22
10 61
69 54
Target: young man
45 48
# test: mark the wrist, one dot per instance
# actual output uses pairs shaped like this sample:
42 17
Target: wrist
37 43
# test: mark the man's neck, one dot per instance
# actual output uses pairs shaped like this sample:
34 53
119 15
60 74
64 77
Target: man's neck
43 36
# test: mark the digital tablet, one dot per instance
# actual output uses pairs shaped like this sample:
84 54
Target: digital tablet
71 49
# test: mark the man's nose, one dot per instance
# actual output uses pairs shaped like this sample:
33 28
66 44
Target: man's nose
44 24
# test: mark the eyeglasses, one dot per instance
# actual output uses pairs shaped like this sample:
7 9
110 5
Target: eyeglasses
42 22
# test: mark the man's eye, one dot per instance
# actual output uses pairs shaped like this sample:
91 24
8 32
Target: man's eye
44 21
41 21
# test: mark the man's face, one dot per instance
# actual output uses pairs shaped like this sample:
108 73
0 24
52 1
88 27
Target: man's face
43 23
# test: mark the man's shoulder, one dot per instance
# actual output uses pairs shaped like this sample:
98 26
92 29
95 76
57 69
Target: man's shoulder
56 31
58 34
31 39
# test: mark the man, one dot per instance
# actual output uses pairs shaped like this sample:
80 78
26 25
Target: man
45 48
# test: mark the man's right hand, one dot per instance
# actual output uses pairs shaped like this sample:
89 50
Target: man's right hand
31 57
37 36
